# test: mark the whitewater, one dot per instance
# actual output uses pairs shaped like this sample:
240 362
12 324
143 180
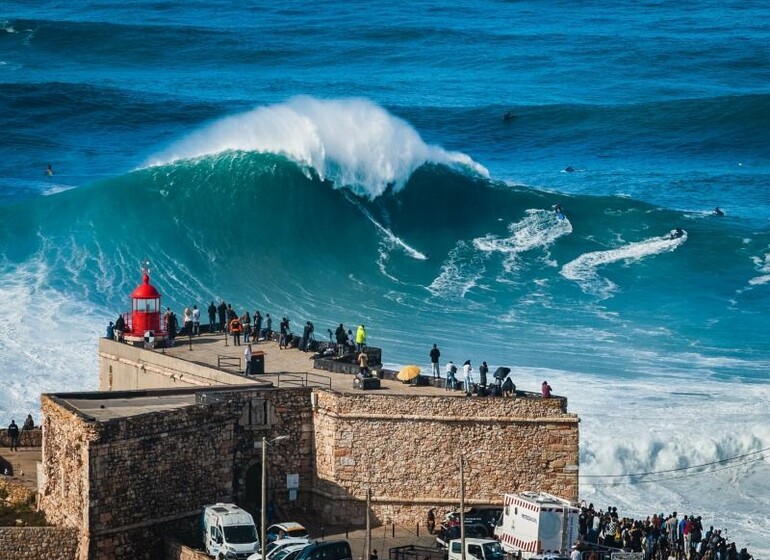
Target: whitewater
352 164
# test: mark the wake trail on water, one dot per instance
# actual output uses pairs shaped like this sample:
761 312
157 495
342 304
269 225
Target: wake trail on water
391 239
583 269
352 142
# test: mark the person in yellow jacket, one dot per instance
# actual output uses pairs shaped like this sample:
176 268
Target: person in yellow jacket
360 338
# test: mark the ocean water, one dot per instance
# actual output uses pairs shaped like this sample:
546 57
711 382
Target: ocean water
350 162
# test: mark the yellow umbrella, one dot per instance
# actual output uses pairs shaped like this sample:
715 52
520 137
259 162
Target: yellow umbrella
408 373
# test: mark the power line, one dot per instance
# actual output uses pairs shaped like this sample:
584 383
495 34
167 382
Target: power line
681 469
666 479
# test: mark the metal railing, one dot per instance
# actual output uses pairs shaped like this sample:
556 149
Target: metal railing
304 380
229 361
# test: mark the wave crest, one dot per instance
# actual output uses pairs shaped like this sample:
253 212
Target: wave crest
352 142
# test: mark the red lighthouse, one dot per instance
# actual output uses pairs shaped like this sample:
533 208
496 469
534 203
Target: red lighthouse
145 325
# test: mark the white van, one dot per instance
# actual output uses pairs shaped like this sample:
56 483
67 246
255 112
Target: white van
229 532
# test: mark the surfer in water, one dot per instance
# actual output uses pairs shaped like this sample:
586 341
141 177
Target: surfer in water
677 233
509 116
569 169
49 170
718 211
559 212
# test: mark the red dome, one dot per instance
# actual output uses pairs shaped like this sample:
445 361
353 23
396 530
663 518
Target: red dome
145 290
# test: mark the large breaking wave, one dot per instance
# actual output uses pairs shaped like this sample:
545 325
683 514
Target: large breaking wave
353 142
420 248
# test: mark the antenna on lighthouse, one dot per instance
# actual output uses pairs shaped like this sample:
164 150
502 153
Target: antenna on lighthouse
146 267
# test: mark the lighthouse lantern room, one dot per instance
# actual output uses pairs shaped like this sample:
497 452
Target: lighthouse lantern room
145 325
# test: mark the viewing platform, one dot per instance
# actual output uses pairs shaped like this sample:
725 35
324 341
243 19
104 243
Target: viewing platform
207 360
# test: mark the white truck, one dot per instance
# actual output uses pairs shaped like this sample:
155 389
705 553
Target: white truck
537 524
229 532
475 549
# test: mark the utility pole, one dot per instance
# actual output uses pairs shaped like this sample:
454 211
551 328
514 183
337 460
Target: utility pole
462 508
368 548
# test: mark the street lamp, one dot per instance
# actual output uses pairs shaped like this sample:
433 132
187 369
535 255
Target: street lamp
265 443
462 501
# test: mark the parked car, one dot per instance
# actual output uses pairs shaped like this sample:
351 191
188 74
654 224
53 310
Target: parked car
288 529
325 550
274 547
291 552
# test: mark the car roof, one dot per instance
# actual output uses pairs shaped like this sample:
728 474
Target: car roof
288 526
289 549
290 540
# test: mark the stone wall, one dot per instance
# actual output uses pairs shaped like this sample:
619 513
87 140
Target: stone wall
407 450
65 465
128 481
34 543
175 550
28 438
126 367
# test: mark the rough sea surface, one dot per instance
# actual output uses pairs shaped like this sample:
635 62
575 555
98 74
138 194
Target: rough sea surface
350 162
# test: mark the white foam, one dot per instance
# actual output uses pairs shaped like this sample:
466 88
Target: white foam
460 272
538 229
48 340
583 269
353 142
55 189
657 424
763 267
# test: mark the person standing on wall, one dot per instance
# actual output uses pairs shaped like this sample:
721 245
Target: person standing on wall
13 435
196 320
235 330
360 338
363 364
283 335
451 369
257 326
341 337
268 327
546 389
435 354
187 321
247 357
120 327
222 311
483 370
212 317
246 325
351 340
467 377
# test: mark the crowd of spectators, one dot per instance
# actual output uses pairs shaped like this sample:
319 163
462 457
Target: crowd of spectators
658 537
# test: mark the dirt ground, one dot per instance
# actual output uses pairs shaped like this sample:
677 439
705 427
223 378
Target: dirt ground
21 464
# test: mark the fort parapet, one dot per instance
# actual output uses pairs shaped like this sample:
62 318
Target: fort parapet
129 465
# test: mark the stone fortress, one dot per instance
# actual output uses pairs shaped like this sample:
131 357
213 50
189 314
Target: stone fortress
174 429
